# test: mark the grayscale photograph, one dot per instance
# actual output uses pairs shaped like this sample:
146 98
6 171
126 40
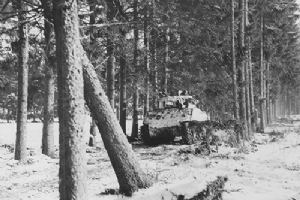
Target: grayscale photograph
150 99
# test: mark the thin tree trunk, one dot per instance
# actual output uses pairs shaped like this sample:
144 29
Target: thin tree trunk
153 46
166 62
146 62
247 63
275 109
261 62
48 123
135 127
155 76
234 70
243 108
129 173
93 133
72 165
20 149
110 54
135 122
265 91
251 91
268 116
123 82
93 126
289 101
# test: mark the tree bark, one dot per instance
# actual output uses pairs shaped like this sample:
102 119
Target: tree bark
20 149
251 91
268 107
93 133
234 70
243 108
146 62
72 161
166 63
153 64
276 108
129 173
93 126
135 127
48 123
123 82
247 63
135 120
110 54
261 63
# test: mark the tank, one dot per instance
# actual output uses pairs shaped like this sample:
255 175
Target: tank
173 117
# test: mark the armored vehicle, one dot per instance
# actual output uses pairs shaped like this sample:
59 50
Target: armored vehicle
173 117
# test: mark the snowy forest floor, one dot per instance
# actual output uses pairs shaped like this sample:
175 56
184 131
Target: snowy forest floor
266 169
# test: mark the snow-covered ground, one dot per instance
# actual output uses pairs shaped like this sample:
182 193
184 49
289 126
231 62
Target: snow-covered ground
269 169
34 132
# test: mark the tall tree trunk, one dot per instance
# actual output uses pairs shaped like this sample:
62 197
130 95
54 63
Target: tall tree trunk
155 74
261 63
123 82
20 149
110 54
247 63
288 101
135 126
274 109
135 120
72 161
166 62
129 173
243 108
251 90
93 127
234 70
268 116
153 46
48 123
146 62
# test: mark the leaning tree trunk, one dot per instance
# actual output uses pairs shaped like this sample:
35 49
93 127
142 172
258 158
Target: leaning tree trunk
72 161
135 126
243 108
261 62
234 71
48 123
20 149
110 54
123 82
146 63
129 173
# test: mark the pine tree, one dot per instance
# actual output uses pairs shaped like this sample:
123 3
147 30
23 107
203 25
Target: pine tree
110 54
129 173
146 61
233 62
123 82
23 49
135 105
48 123
72 161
